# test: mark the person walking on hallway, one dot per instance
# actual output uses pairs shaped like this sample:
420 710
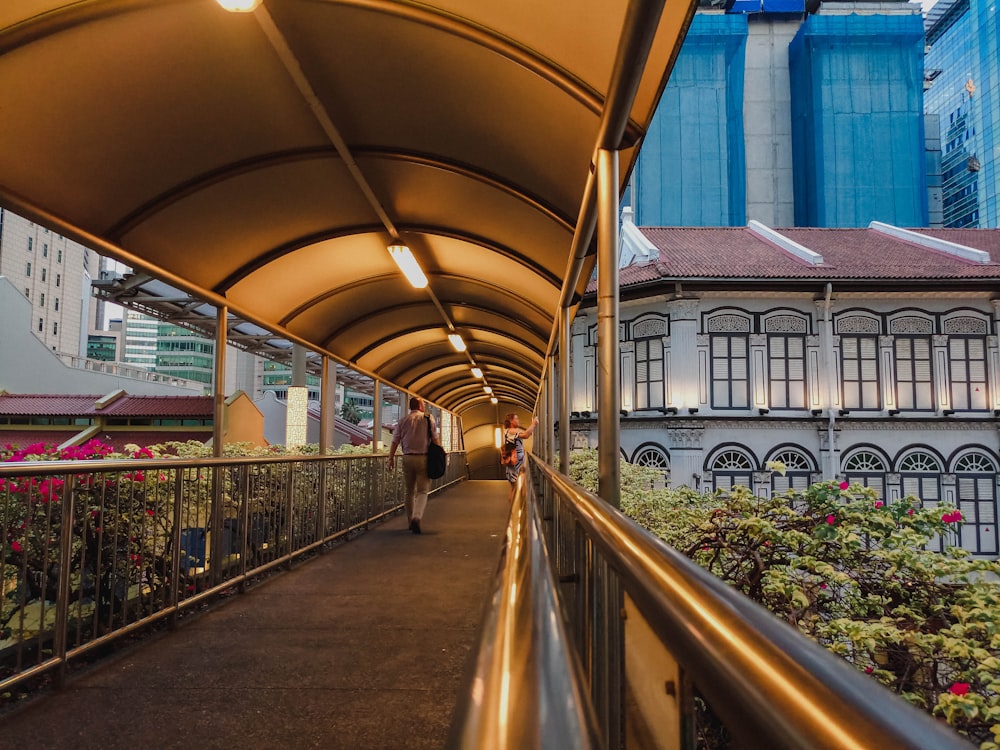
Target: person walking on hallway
412 434
513 437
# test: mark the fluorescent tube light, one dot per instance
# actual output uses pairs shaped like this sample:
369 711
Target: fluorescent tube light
456 341
408 265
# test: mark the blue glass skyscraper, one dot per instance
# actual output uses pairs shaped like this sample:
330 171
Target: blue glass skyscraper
963 76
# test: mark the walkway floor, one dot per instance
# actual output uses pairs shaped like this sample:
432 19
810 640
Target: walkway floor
364 647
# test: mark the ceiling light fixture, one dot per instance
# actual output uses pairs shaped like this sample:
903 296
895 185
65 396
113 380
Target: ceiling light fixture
487 389
240 6
476 372
456 341
493 399
408 265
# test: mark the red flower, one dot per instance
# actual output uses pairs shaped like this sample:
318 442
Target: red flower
953 517
150 512
16 546
822 585
831 519
959 688
869 670
879 503
909 512
844 485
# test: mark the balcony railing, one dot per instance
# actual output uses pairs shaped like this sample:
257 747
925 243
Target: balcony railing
93 550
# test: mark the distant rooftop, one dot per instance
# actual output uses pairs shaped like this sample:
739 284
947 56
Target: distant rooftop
877 253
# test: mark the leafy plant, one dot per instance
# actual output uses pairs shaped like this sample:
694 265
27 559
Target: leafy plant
853 573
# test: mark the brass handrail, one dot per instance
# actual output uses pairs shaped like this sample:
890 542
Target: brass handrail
526 691
771 686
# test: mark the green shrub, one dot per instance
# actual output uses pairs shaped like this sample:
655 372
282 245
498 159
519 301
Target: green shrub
854 574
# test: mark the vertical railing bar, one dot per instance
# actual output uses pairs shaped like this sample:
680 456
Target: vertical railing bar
244 519
289 507
62 595
175 558
321 505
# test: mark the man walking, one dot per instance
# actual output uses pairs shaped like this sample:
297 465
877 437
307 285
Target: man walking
411 433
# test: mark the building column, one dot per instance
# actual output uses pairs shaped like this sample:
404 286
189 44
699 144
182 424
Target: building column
297 401
684 365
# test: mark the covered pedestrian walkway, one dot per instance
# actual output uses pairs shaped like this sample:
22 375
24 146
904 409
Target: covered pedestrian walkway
362 648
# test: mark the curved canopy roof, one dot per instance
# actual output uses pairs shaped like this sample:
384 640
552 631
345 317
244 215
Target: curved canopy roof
266 160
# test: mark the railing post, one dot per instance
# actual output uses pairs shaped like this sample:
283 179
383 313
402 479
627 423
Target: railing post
289 511
175 559
565 433
245 528
62 594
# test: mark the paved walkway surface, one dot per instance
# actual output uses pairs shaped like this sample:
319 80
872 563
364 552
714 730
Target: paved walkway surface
363 647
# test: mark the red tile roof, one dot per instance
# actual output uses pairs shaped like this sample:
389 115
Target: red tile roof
85 406
119 439
24 438
116 438
740 253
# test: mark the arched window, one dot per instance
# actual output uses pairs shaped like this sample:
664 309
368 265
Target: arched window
730 468
654 457
967 363
976 477
859 362
648 335
868 469
920 473
729 341
786 356
798 471
912 358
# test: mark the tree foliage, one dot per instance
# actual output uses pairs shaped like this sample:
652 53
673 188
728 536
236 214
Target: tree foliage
853 573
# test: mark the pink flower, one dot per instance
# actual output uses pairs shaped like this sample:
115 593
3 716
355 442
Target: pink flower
953 517
831 519
844 485
879 503
909 512
869 670
822 585
959 688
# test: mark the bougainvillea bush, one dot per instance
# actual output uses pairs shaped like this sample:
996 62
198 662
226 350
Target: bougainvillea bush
123 524
853 573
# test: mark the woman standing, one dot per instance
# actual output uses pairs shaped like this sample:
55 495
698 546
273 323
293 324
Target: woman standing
512 455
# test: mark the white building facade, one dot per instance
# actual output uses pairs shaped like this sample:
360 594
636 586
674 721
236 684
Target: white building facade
53 273
809 358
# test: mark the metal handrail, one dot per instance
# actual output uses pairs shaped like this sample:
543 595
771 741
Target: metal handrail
771 686
303 512
527 689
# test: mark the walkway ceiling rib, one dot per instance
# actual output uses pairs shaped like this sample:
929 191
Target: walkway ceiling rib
264 161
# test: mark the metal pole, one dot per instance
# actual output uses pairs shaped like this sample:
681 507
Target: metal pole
218 447
377 416
608 382
564 394
550 413
327 401
609 692
219 381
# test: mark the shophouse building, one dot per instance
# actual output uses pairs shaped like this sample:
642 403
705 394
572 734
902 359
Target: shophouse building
867 355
